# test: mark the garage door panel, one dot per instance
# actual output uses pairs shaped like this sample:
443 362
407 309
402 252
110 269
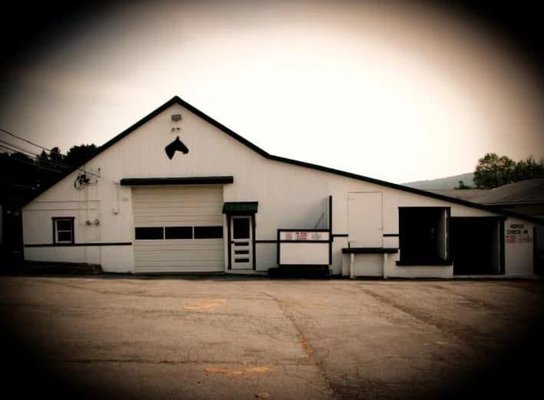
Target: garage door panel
182 257
181 208
178 221
180 246
184 207
192 194
205 267
176 270
151 203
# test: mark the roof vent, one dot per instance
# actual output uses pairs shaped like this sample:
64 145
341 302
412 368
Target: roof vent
176 117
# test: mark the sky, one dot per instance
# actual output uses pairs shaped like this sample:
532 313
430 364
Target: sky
398 91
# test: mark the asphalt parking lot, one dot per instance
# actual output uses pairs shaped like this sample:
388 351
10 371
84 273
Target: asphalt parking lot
256 338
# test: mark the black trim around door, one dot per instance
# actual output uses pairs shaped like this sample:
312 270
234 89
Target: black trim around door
230 240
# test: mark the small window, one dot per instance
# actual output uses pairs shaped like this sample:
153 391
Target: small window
63 230
208 232
178 232
154 233
240 228
423 235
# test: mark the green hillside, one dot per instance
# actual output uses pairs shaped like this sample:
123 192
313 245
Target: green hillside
449 182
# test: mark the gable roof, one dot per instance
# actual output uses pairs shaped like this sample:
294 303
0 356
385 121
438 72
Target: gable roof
177 100
526 192
530 191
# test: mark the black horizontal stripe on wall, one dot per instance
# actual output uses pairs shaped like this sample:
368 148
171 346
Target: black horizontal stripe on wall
303 241
370 250
193 180
79 244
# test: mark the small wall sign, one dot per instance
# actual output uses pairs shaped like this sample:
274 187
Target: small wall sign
518 233
302 236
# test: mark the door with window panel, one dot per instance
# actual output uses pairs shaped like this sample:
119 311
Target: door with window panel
241 246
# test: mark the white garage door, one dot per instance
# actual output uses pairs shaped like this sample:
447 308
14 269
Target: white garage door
178 229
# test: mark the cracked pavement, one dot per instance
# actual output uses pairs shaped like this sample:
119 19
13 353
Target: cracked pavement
255 338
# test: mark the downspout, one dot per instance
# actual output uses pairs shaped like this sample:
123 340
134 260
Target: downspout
351 261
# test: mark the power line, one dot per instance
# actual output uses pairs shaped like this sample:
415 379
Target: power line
24 140
54 163
17 149
18 185
33 163
28 153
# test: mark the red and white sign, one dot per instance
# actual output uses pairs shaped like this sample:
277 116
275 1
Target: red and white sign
518 233
303 236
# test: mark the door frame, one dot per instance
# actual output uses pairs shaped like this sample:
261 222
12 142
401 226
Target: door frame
230 241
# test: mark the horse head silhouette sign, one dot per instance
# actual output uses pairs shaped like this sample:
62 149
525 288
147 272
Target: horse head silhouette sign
176 145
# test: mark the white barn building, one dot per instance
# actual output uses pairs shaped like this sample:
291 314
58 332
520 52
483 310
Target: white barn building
179 192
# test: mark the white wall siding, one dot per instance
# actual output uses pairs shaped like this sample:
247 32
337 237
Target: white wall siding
520 252
67 254
117 259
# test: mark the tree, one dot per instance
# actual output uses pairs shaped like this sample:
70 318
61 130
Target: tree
21 178
78 155
56 156
493 171
54 159
462 186
529 169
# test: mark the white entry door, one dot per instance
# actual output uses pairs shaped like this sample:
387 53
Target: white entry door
241 246
365 227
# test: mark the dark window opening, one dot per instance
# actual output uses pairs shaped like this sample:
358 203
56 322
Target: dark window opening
64 224
64 237
423 235
63 230
240 228
178 232
242 260
154 233
476 245
208 232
